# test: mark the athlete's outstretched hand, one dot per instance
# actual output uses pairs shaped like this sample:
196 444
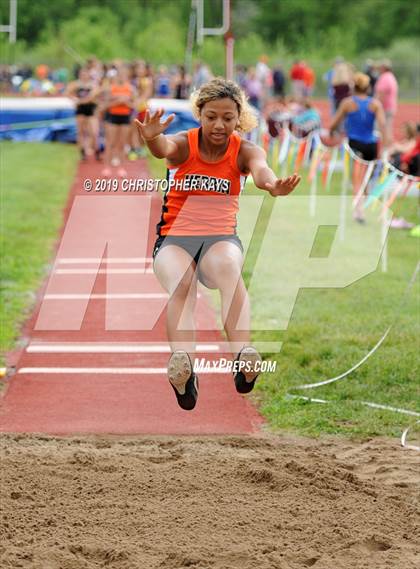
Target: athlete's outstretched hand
152 127
283 186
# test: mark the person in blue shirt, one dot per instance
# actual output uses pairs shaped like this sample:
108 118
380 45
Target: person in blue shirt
359 113
163 86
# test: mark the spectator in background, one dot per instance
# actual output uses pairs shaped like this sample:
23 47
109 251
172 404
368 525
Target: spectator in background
120 104
262 70
278 115
371 71
163 83
240 76
309 81
182 85
201 75
95 70
60 79
142 82
6 79
253 88
386 90
279 81
42 71
404 146
297 74
359 113
76 70
410 160
408 141
328 77
84 92
306 121
342 81
264 76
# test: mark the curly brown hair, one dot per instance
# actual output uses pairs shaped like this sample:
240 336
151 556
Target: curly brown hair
220 88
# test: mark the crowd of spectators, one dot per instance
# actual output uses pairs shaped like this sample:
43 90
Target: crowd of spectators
284 97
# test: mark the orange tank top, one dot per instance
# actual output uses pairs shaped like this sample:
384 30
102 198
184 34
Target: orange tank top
120 91
203 197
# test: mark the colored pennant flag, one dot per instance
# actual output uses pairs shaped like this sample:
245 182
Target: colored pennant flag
379 189
290 154
284 149
399 189
313 167
275 154
300 154
331 166
266 141
325 168
294 156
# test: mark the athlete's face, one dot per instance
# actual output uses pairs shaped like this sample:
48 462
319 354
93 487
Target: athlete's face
219 119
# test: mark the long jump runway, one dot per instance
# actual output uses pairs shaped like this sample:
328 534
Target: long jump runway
95 352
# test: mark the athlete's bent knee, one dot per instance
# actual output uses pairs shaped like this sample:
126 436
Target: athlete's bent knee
183 286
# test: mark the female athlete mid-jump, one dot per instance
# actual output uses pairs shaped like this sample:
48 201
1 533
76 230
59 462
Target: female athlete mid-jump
197 238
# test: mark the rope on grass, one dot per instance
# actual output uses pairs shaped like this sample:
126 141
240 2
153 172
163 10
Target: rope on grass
366 403
404 439
347 373
373 350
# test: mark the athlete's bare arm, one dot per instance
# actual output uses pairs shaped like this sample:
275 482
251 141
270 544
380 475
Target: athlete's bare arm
252 159
71 91
339 116
174 148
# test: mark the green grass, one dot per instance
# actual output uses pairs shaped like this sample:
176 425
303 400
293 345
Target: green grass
35 180
331 329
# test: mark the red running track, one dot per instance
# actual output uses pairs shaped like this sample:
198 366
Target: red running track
105 248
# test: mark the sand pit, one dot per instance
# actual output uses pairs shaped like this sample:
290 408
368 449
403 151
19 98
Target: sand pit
207 503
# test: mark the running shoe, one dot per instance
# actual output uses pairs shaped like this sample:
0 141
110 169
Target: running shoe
183 379
245 379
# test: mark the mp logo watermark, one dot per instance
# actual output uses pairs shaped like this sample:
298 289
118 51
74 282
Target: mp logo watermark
108 235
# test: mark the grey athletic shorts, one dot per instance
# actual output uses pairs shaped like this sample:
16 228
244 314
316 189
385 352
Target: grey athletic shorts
195 245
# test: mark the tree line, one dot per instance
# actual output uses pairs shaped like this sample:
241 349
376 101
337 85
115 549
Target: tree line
356 26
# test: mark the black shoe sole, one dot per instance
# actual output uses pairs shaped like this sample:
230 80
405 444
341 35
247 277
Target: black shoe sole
189 399
183 380
242 385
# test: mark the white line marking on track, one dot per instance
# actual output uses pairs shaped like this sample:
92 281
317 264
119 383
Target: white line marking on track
70 348
103 370
103 271
117 296
76 260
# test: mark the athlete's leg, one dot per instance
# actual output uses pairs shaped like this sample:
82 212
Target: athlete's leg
221 268
80 122
93 129
120 141
109 146
175 270
359 170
